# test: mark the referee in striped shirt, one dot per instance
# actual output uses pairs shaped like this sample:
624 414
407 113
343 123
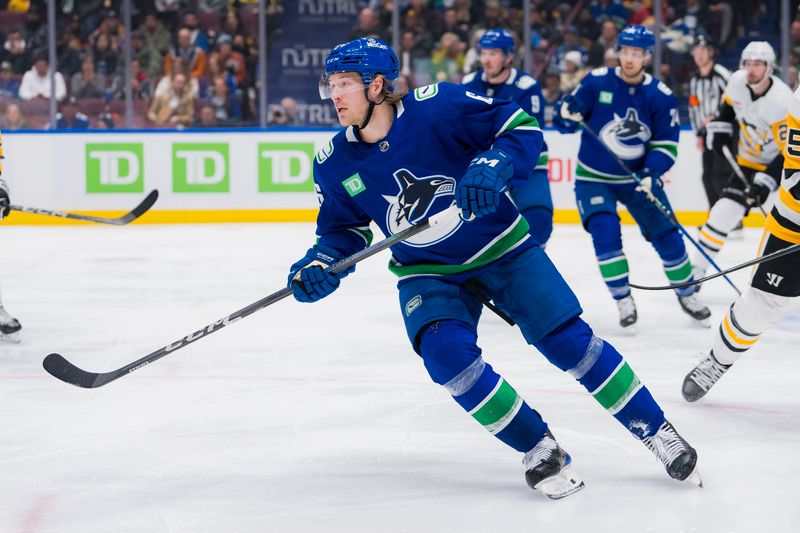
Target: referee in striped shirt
706 88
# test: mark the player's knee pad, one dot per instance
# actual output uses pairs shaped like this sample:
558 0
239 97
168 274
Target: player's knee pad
669 245
606 232
540 220
757 310
448 348
566 345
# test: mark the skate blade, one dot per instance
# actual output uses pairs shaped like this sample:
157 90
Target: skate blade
561 485
629 330
694 478
704 323
13 338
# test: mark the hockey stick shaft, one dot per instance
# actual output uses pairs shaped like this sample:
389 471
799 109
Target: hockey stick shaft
738 171
758 260
135 213
661 207
62 369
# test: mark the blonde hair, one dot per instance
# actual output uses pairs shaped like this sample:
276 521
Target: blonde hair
392 97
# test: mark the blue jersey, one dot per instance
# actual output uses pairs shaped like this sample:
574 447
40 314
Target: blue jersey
412 173
520 88
639 123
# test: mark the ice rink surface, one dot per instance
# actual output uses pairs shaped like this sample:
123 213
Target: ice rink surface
321 418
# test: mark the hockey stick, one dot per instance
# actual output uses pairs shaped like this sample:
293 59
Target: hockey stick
738 171
763 259
661 207
135 213
62 369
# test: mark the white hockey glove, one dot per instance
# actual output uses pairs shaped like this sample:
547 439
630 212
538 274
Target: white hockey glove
569 114
648 184
718 134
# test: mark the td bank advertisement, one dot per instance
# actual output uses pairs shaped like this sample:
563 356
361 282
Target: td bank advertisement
233 176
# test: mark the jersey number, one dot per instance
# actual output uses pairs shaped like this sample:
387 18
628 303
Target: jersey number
535 104
793 143
674 119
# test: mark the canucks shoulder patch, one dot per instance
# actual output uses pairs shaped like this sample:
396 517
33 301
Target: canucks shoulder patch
325 152
664 89
429 91
602 71
525 82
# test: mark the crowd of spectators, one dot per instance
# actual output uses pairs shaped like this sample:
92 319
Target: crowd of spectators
194 61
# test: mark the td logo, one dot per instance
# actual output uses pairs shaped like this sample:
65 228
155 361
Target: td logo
200 167
114 167
285 167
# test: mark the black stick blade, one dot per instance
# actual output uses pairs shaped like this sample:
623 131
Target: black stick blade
142 208
62 369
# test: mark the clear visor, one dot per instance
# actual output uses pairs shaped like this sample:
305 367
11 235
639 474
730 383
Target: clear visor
629 52
339 83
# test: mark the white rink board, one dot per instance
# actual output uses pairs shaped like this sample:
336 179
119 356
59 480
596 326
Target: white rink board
226 170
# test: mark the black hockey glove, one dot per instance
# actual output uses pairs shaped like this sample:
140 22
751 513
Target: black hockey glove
758 191
718 134
4 200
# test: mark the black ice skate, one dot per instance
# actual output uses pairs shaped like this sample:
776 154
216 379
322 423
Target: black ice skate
549 468
693 307
677 456
9 327
627 311
702 377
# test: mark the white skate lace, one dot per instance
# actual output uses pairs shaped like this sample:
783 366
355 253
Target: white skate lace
707 373
540 453
665 444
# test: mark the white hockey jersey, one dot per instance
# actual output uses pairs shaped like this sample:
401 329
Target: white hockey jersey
784 220
762 122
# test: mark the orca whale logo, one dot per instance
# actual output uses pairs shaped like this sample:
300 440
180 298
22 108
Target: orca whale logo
413 203
626 128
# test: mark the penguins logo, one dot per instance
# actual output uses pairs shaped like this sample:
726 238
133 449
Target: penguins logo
623 129
413 203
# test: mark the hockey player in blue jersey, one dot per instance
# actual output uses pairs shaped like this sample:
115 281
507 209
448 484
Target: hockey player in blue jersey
636 117
498 79
406 156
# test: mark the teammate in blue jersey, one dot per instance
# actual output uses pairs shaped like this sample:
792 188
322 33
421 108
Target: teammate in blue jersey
406 156
636 117
498 79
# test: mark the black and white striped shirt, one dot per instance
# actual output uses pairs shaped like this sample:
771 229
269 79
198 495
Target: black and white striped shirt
705 94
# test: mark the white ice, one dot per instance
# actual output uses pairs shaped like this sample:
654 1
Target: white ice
321 418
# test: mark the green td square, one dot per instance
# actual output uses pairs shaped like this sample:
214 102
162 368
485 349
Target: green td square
200 167
285 167
354 185
114 167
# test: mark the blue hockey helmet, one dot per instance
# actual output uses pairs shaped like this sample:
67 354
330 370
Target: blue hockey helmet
636 37
365 56
497 38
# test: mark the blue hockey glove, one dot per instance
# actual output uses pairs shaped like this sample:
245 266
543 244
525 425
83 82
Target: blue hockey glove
308 278
4 200
649 183
479 190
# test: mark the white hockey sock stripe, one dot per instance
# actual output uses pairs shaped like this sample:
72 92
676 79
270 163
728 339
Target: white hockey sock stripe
733 336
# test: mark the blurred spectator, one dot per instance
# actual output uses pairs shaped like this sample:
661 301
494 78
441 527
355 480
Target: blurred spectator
472 57
106 55
87 83
410 53
70 118
571 71
369 25
610 10
277 116
206 118
608 36
192 56
572 42
447 62
9 85
450 23
165 83
722 26
168 11
226 105
551 92
174 106
492 16
69 62
106 120
610 59
212 6
112 26
16 52
588 27
13 119
36 82
290 107
35 30
231 60
140 83
414 23
197 36
157 42
793 79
